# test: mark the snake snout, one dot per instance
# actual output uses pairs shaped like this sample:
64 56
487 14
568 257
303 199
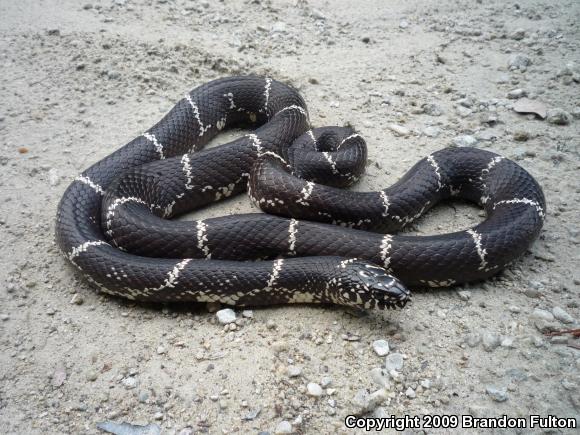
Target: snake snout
387 290
379 289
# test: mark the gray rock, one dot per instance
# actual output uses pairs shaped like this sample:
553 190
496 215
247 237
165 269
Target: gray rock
314 390
489 118
399 130
248 314
394 362
516 94
252 414
521 136
464 141
533 293
542 315
403 24
464 295
562 315
464 112
498 395
431 131
225 316
129 382
113 75
284 427
517 374
490 341
559 117
294 371
381 347
467 102
279 27
519 61
325 381
425 383
432 109
518 34
410 393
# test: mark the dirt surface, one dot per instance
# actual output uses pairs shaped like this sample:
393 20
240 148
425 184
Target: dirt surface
79 79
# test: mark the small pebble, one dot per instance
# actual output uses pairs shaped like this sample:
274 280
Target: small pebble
521 135
394 361
562 315
410 393
464 141
399 130
381 347
519 61
129 382
284 427
294 371
314 389
542 315
497 394
516 93
432 109
464 295
518 34
431 131
226 316
558 117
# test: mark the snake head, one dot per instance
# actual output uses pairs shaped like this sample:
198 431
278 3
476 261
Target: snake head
368 286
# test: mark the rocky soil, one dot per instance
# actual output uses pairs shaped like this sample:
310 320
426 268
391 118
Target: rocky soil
79 79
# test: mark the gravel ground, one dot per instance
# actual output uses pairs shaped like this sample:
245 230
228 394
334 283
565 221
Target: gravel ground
82 78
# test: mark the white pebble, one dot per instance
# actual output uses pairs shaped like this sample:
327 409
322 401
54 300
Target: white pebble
562 315
394 362
399 130
284 427
381 347
314 389
225 316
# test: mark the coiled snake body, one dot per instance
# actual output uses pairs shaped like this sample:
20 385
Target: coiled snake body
112 220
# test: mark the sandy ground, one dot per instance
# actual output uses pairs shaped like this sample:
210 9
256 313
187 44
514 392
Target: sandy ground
79 79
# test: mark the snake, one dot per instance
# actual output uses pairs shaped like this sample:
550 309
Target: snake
312 240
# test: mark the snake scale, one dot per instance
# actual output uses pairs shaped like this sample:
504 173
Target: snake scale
316 243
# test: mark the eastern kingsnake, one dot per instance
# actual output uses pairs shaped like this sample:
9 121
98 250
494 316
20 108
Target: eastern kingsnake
112 225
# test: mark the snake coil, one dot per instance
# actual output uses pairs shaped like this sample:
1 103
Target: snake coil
318 242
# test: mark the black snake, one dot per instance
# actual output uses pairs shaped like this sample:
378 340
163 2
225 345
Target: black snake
112 220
